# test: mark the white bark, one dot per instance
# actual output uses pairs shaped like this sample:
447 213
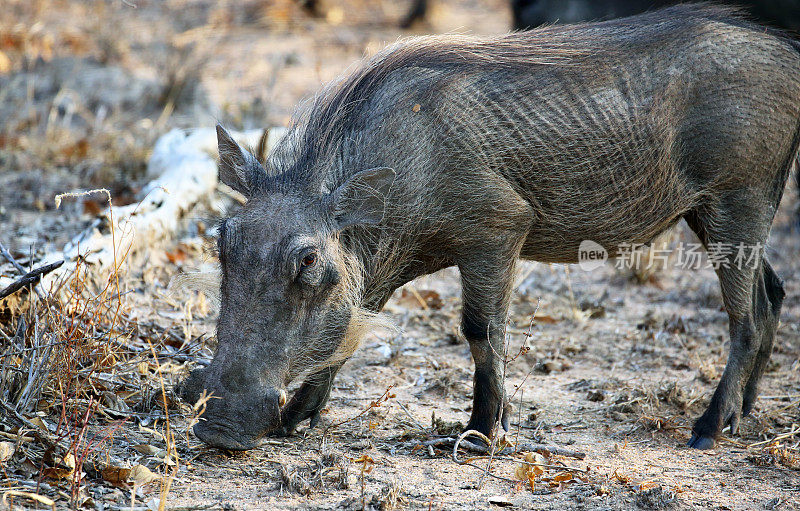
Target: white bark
183 172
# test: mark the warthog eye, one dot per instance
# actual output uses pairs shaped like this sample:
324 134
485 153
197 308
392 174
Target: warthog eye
309 260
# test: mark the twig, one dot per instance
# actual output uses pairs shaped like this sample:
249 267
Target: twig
449 441
486 470
490 474
4 251
17 437
36 430
27 495
374 404
37 372
783 408
791 433
522 350
20 351
416 422
418 297
545 449
492 444
31 277
564 468
463 436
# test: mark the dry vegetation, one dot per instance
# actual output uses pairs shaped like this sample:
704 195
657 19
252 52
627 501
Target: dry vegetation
606 374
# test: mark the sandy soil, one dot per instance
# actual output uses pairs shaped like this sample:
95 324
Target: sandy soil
615 369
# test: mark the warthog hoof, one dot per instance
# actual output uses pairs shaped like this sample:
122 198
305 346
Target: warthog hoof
701 442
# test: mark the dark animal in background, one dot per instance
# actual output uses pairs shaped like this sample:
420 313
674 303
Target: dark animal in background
452 150
417 12
419 9
310 6
528 14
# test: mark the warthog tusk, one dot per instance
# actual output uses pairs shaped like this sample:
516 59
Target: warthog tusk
282 397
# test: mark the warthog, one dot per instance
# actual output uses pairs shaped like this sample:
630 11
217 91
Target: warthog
445 151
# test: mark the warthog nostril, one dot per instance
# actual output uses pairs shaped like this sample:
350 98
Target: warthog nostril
282 397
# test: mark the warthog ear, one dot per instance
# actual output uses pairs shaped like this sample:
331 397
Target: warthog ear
361 200
237 167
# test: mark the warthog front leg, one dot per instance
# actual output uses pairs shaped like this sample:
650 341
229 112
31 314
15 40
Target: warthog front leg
487 284
308 401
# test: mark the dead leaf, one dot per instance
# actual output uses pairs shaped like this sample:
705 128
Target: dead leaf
78 150
116 475
5 63
416 108
420 298
367 463
624 479
528 472
153 504
647 485
39 423
92 207
87 502
28 467
563 477
150 450
6 451
141 475
545 319
152 432
63 469
177 256
335 16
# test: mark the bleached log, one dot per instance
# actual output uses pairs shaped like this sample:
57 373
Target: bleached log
183 172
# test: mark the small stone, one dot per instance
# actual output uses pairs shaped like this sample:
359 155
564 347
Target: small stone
501 501
596 396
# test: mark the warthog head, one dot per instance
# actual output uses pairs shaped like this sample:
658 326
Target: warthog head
289 293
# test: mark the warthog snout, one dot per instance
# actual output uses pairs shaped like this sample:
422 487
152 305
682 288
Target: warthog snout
233 420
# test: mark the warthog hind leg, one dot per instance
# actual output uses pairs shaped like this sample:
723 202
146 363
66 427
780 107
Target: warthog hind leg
752 294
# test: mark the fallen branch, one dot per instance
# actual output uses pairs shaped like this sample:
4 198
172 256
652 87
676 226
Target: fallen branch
5 253
32 277
183 172
462 441
543 449
38 433
8 500
546 450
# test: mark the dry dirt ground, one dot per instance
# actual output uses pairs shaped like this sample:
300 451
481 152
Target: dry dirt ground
615 369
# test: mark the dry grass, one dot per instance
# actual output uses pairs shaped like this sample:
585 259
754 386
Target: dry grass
73 385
